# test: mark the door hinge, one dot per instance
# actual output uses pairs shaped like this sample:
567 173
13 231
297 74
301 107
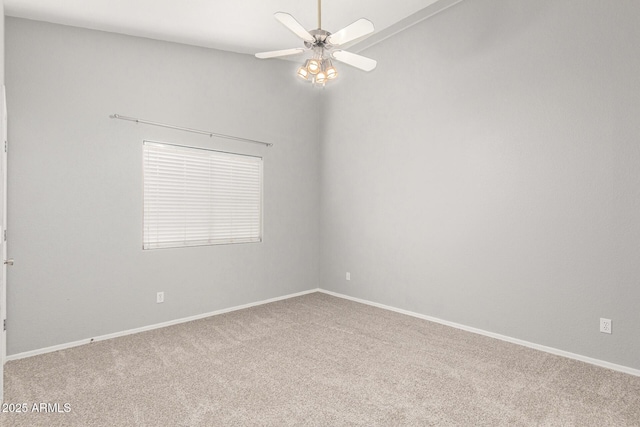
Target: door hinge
4 325
5 235
5 146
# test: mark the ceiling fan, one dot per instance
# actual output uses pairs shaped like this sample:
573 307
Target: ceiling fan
319 69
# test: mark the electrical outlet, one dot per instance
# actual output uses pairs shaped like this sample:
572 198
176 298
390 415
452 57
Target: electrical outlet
160 297
605 325
348 276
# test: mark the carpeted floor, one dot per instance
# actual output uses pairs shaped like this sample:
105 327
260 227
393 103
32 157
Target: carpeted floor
315 360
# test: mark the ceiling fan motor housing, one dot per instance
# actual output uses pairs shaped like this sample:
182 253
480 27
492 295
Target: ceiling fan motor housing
321 37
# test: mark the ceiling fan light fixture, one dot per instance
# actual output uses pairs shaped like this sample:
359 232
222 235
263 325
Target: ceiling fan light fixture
330 70
314 65
321 77
303 71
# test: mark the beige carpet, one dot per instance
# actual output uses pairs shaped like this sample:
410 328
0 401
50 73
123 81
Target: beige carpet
315 360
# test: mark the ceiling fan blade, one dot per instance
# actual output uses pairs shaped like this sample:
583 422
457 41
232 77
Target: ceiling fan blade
294 26
358 29
279 53
361 62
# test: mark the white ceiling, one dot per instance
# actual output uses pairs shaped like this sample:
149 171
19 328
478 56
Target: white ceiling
245 26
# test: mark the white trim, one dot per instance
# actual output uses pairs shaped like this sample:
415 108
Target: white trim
151 327
400 26
557 352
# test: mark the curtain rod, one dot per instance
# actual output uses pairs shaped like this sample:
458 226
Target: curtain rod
202 132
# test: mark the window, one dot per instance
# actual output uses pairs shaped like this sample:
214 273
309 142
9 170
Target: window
195 197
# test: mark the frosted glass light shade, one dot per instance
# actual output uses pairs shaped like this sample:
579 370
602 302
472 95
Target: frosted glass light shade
321 77
303 73
332 73
314 66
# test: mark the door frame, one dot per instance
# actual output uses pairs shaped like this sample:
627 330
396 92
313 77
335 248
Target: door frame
3 242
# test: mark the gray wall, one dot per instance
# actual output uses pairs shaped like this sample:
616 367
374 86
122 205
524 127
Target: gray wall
487 173
75 189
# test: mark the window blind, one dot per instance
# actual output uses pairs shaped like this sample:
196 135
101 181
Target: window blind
196 197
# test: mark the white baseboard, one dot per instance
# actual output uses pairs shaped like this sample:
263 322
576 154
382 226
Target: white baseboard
557 352
150 327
